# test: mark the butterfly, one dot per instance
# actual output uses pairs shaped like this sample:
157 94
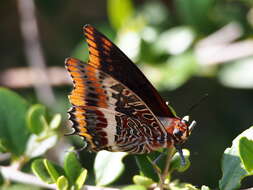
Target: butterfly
115 107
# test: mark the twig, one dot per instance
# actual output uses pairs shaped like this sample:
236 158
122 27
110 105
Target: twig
220 47
21 77
4 156
33 51
224 35
217 54
12 174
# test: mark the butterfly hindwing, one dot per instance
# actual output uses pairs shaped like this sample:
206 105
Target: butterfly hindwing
105 129
107 113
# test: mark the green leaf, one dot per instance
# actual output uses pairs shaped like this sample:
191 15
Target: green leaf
54 170
62 183
3 145
81 179
176 163
134 187
232 169
145 166
35 118
190 187
13 128
55 122
72 167
246 153
119 12
143 181
108 166
195 13
177 185
41 171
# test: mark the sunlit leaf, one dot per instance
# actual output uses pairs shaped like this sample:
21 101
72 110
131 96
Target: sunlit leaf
176 162
55 122
177 185
246 153
37 146
81 179
54 170
108 166
232 170
142 180
134 187
62 183
129 42
155 13
175 41
119 11
237 74
14 132
204 187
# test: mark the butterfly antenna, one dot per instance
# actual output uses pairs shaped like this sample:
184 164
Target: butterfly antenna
197 103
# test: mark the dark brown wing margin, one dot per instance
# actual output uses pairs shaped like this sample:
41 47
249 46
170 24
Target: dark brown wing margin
104 55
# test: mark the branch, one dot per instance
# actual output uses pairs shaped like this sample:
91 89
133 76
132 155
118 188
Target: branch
33 51
12 174
221 47
20 77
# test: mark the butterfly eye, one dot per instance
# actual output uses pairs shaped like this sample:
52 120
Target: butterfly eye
177 133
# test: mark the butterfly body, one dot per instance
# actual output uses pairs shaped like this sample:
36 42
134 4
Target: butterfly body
114 106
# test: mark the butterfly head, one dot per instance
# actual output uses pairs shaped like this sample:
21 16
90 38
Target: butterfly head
180 132
182 129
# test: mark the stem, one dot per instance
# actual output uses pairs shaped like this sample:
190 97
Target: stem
165 173
163 176
11 173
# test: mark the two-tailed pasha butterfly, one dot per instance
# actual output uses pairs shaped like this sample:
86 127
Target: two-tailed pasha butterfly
115 107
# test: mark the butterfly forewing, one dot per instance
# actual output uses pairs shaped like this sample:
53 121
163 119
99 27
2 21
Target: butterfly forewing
110 115
104 55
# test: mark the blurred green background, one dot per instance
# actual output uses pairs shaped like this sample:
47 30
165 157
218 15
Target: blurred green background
187 48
